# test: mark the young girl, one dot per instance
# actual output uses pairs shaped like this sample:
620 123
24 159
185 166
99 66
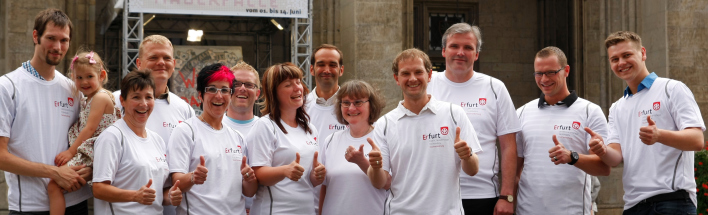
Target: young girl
97 113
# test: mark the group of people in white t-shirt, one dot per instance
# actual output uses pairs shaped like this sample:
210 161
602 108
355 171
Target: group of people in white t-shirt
333 151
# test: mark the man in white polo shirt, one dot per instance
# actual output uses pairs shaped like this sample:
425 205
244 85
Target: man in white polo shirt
654 128
419 146
551 135
326 67
156 53
37 108
240 115
489 107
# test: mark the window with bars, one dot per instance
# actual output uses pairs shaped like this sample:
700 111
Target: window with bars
432 18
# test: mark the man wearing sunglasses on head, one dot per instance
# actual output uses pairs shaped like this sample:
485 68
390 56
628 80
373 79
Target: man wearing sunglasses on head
557 129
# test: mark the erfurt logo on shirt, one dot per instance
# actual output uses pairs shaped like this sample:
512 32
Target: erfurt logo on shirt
62 104
311 143
444 130
563 127
467 104
336 127
431 136
482 101
576 125
169 124
645 112
160 159
657 105
71 101
232 150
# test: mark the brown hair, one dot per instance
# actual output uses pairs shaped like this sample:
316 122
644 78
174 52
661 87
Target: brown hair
56 16
275 75
552 50
135 81
622 36
358 89
326 46
409 54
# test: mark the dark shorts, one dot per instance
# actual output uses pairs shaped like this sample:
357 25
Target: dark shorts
479 206
78 209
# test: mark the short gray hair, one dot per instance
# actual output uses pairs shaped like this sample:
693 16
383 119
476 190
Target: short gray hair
463 28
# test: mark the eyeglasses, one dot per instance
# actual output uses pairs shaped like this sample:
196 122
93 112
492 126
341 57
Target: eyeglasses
214 90
248 85
548 74
357 103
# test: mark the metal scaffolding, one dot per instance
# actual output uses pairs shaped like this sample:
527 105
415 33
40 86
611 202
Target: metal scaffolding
132 37
301 45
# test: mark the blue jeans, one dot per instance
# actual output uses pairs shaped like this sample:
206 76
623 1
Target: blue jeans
681 206
80 209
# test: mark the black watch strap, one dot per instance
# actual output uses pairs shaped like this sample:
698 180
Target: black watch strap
573 157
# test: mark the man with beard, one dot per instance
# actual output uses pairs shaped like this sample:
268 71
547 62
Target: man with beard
37 108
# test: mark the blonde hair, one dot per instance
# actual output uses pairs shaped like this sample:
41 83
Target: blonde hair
158 39
622 36
552 50
88 60
241 65
410 54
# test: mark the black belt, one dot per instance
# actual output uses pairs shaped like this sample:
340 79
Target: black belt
676 195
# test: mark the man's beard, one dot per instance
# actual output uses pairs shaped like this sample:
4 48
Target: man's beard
50 62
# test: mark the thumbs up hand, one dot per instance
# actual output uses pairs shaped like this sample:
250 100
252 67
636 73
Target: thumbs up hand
649 134
248 174
558 153
175 194
355 156
597 145
375 159
461 147
293 170
318 172
145 195
199 175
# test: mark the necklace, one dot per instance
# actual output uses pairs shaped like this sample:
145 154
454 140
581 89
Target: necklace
201 118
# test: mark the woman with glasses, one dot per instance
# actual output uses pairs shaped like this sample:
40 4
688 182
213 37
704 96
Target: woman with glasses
283 146
208 157
130 168
347 189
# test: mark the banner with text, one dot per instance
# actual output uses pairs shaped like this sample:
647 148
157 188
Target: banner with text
191 59
256 8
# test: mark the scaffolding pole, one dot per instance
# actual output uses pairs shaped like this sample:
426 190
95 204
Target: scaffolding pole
301 45
132 37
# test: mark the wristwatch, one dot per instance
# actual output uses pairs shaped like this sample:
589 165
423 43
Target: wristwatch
508 198
573 157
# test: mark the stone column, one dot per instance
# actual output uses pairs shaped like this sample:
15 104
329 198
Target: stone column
371 37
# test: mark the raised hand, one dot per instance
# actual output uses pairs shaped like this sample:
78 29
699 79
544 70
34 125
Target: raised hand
318 171
558 153
375 159
649 134
597 145
355 156
145 195
461 147
246 172
175 194
199 175
294 171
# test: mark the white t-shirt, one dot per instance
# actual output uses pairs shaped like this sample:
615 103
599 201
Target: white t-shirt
243 129
128 162
418 150
165 116
223 151
269 146
37 122
349 190
324 119
656 169
489 108
546 188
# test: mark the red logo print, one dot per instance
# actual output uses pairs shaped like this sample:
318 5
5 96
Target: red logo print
71 102
576 125
444 130
657 105
482 101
